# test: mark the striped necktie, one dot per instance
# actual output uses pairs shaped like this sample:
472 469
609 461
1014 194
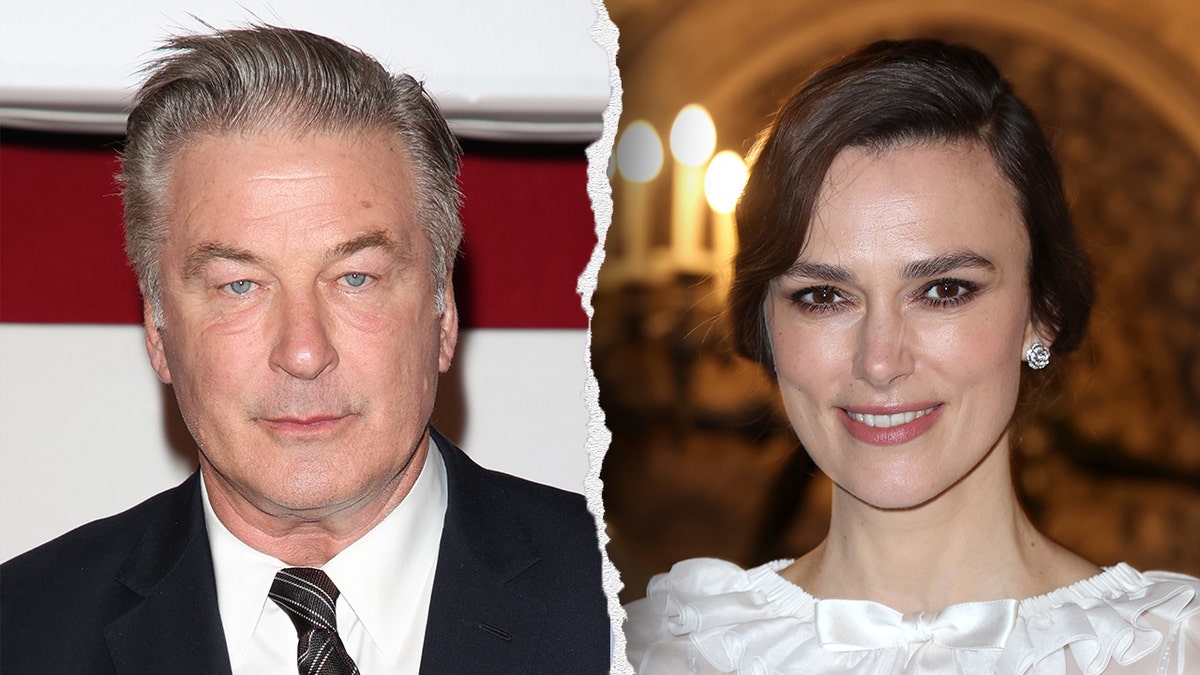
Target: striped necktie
309 597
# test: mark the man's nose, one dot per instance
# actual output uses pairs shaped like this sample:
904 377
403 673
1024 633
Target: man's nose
883 354
303 346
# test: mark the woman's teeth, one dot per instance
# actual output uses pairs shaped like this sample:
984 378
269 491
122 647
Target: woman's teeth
885 421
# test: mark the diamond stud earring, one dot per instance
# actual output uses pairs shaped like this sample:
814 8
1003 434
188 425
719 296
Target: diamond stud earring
1037 356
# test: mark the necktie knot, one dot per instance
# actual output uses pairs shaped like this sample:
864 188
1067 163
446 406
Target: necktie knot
309 597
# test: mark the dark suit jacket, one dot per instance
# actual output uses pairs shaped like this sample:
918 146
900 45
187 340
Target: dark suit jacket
517 587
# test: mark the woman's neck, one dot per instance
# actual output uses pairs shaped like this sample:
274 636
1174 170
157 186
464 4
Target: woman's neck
972 542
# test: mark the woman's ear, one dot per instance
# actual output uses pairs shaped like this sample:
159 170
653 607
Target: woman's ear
1035 349
1035 332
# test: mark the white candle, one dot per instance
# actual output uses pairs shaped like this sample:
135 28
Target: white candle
693 138
687 215
639 159
723 184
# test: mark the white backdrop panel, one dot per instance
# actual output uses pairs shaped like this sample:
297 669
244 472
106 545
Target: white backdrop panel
511 69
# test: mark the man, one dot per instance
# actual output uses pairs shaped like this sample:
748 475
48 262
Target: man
292 216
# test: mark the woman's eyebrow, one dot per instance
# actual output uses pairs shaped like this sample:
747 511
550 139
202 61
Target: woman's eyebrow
947 262
820 272
919 269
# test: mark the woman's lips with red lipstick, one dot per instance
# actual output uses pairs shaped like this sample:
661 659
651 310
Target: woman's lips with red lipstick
890 425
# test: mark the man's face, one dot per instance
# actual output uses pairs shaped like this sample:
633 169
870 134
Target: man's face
300 333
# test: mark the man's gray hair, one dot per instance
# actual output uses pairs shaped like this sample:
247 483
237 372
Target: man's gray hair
265 78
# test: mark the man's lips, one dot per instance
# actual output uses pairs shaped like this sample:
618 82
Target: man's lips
889 425
308 425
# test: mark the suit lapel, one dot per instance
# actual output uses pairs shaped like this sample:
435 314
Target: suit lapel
475 617
177 625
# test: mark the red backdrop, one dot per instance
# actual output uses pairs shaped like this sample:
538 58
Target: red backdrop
528 220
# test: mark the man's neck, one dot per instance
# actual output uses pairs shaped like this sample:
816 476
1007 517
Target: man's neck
308 538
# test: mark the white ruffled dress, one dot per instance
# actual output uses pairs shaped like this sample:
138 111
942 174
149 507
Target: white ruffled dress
711 616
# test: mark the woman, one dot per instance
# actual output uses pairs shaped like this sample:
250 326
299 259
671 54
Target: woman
905 246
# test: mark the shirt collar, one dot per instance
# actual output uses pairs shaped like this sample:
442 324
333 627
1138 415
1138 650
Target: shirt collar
384 573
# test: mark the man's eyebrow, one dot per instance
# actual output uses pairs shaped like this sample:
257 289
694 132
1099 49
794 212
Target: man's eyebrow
947 262
206 252
376 239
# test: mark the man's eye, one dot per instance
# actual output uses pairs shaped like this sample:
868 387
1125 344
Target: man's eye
355 279
241 287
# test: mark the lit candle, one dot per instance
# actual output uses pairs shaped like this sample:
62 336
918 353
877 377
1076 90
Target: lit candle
639 159
723 184
693 138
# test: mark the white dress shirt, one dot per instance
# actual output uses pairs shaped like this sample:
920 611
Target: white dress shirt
385 579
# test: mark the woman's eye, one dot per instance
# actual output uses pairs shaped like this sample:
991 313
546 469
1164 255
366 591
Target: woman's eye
821 296
943 290
355 279
819 299
240 287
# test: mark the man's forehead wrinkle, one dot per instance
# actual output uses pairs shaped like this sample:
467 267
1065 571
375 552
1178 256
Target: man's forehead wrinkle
299 174
272 195
283 185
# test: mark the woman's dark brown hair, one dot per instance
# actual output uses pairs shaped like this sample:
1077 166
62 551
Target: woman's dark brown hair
888 94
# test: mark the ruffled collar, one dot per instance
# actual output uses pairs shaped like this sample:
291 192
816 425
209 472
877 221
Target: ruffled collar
755 621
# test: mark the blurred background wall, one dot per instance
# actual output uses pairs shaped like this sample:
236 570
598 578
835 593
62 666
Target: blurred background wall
702 461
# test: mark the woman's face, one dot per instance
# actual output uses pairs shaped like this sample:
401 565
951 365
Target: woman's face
898 333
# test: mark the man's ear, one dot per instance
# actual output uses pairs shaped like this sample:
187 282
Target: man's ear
154 344
449 328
